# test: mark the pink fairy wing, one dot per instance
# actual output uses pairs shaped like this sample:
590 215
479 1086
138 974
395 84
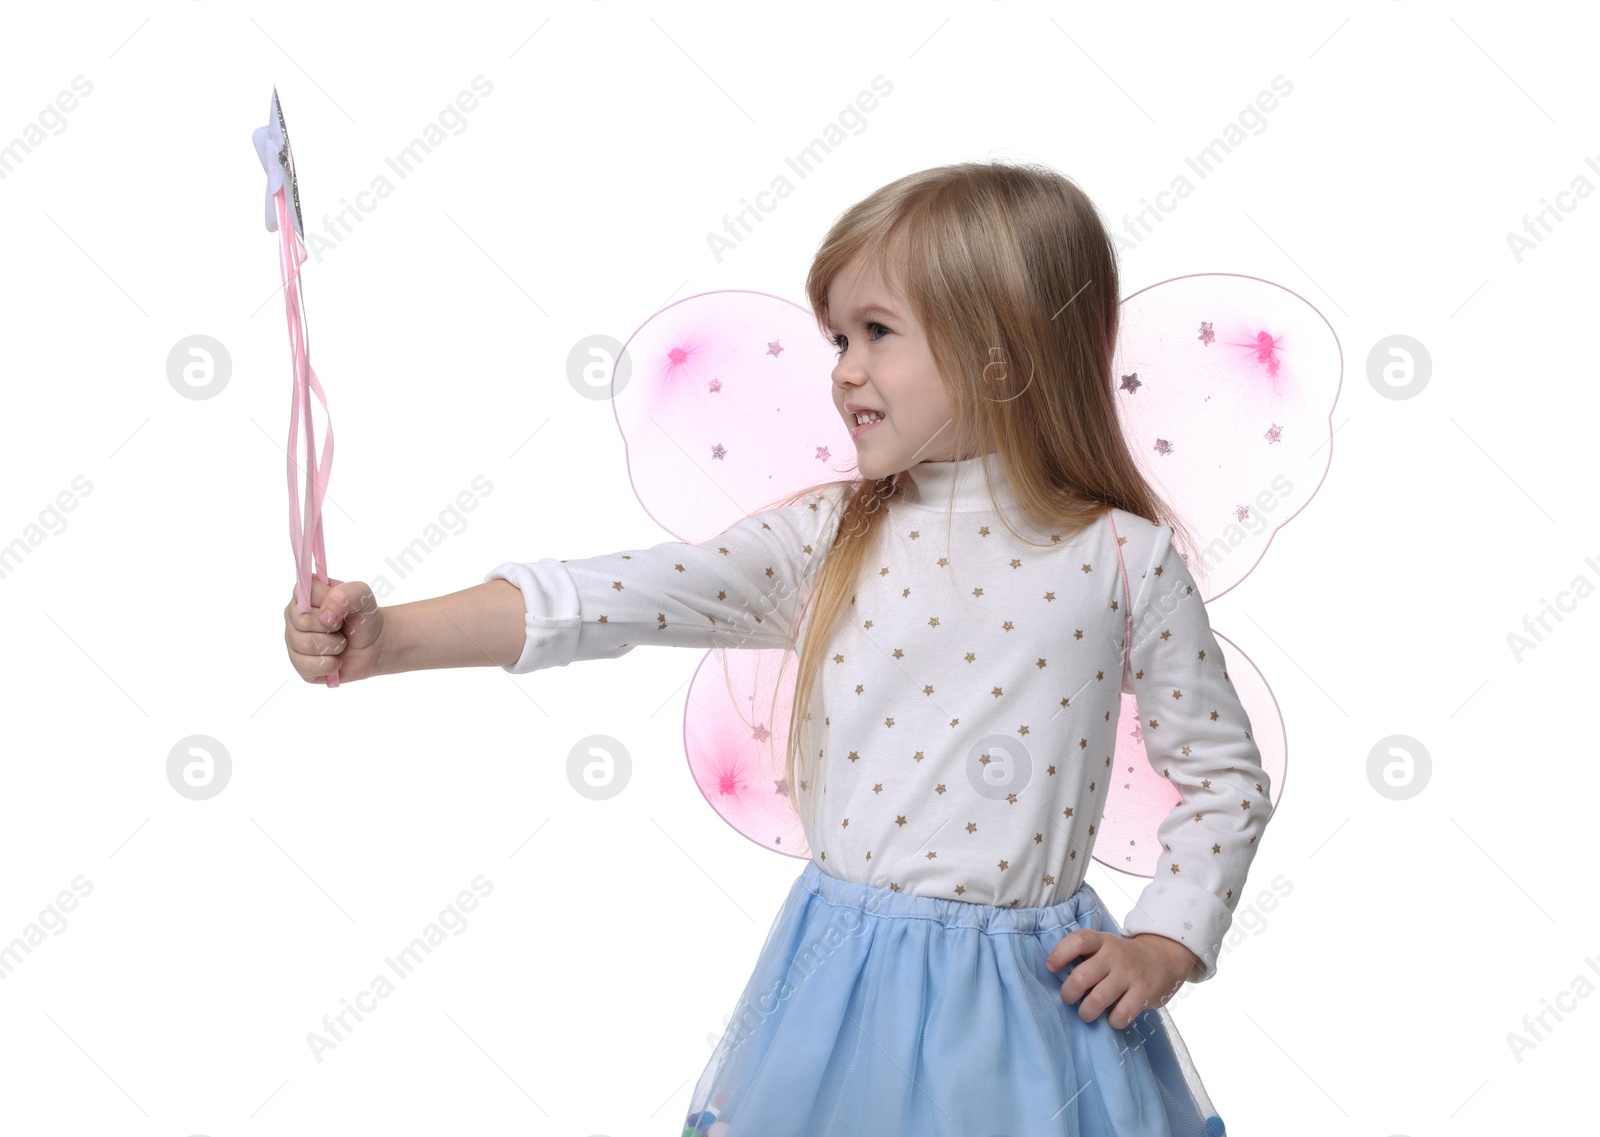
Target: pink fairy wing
724 409
1225 387
1140 799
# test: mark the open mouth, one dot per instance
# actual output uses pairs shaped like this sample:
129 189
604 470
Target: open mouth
865 422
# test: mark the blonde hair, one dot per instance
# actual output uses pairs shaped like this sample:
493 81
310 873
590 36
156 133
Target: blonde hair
1013 277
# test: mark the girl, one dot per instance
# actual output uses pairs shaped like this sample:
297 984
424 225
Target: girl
962 612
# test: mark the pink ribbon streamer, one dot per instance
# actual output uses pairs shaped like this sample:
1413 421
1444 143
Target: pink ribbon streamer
306 540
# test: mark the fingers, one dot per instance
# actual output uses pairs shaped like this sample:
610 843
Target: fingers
1074 944
322 592
344 601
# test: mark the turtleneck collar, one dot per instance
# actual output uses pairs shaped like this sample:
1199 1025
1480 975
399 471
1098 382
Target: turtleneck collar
958 486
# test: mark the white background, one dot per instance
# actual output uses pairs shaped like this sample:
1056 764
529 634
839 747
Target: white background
1378 997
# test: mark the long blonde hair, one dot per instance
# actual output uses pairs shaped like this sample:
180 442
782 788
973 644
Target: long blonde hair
1013 277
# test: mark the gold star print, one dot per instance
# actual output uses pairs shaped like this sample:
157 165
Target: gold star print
1038 838
995 691
889 721
1174 869
970 657
917 756
932 854
955 723
854 757
1245 804
898 654
983 530
1049 879
837 658
877 787
1216 848
1039 663
1050 769
1067 812
1006 625
960 888
1160 570
859 688
1213 716
1230 894
915 533
1186 750
1166 634
884 571
933 621
1083 744
939 789
617 584
972 827
1015 563
1050 595
927 688
1205 783
869 854
1091 790
1011 799
901 820
977 592
1078 635
1086 568
1153 723
1177 694
1072 855
943 561
866 627
1004 865
984 759
1113 605
1023 729
893 887
1202 655
1198 816
845 823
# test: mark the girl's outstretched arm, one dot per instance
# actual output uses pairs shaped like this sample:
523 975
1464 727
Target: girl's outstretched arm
475 627
742 588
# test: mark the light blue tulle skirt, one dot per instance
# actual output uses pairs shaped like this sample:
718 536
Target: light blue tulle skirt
876 1013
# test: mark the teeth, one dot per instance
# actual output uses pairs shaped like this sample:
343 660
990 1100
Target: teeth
867 416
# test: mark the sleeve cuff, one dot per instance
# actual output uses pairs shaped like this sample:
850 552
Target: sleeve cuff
1184 912
553 613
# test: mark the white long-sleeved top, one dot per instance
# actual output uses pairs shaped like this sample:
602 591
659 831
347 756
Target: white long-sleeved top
970 693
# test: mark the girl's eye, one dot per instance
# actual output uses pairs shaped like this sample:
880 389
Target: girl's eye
843 342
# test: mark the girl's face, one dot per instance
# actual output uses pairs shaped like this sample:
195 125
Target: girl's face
884 365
